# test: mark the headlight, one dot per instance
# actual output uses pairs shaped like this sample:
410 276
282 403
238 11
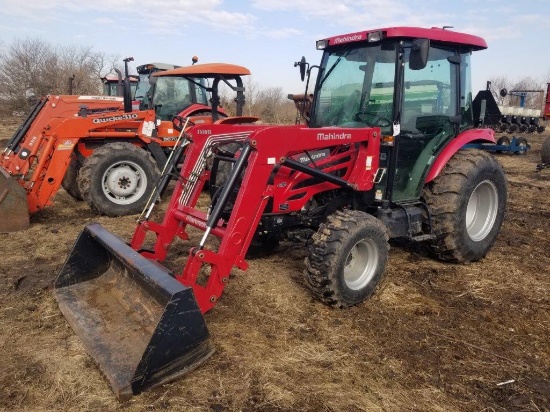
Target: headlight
374 36
321 44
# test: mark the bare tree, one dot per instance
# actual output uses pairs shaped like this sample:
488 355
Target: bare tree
251 93
33 67
269 105
273 107
533 91
528 90
497 84
22 70
227 97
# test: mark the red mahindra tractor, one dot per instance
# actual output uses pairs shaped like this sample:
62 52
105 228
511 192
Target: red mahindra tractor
381 157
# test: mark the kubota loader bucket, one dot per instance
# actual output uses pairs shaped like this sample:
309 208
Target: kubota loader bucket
141 325
14 208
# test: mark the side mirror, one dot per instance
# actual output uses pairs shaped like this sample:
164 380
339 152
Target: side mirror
503 92
419 54
302 63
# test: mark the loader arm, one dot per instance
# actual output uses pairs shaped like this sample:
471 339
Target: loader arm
267 149
34 162
47 110
40 167
141 325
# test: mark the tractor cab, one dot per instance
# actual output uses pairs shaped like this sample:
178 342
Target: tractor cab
113 85
144 74
173 94
175 90
411 83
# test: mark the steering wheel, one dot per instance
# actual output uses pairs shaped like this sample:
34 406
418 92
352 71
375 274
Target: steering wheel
179 122
377 120
160 96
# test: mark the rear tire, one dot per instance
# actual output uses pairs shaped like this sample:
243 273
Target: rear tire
545 151
69 182
347 258
117 179
467 202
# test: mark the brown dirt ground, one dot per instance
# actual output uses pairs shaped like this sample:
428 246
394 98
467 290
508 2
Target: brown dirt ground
434 337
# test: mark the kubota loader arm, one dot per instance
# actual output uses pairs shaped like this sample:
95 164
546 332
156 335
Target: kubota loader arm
41 163
28 152
49 111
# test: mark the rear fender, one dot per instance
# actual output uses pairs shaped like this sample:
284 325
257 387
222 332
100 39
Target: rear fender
197 108
468 136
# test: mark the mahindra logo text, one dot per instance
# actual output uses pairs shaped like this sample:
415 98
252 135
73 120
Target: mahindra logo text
333 136
345 39
196 222
116 118
317 156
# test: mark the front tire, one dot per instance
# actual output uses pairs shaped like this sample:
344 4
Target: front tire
117 179
70 180
347 258
467 202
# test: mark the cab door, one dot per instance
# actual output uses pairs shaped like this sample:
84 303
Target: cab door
429 102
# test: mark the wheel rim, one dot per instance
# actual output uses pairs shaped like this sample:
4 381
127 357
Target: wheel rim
361 263
482 210
124 182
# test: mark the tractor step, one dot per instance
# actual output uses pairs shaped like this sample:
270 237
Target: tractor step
423 238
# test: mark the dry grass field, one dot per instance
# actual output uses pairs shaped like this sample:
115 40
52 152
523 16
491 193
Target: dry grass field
434 337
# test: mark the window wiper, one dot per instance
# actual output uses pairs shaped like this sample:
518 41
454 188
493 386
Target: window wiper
332 67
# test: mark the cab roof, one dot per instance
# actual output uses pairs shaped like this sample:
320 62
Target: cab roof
111 77
206 70
436 34
156 66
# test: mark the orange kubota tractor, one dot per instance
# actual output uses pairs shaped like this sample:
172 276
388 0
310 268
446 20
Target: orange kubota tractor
99 152
112 85
382 156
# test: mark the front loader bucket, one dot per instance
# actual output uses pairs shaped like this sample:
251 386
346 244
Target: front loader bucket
141 325
14 208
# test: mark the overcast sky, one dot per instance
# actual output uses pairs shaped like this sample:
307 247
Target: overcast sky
268 36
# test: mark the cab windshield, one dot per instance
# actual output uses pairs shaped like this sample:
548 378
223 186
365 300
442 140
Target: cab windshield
173 94
111 88
356 87
142 86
